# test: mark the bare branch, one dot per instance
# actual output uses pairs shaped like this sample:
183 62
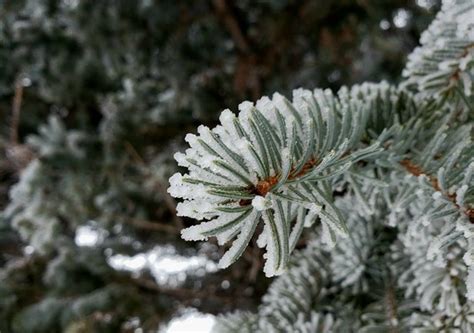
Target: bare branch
16 111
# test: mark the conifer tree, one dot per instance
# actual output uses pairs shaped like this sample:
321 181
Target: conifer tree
382 175
96 97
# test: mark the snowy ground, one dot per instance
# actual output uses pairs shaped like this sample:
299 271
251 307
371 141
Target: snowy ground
192 322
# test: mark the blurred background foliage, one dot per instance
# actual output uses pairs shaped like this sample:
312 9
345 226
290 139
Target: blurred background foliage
96 96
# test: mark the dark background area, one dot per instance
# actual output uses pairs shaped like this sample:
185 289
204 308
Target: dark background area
96 96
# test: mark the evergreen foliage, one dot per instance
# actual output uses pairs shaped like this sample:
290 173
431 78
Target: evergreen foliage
96 96
387 172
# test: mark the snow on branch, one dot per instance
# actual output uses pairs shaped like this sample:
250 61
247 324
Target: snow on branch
271 163
444 62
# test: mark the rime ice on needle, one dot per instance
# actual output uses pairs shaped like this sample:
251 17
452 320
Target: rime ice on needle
269 164
440 64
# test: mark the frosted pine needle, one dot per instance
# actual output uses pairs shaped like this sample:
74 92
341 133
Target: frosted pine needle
265 165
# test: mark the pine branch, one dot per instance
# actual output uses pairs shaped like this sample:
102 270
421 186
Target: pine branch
423 178
442 63
272 162
417 171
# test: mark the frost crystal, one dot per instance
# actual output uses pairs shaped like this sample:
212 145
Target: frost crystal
260 203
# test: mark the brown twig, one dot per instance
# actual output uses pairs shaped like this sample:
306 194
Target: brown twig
454 78
265 185
391 308
247 72
16 112
18 155
232 25
417 171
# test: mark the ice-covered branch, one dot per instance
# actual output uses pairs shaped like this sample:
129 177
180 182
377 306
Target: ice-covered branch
272 163
444 62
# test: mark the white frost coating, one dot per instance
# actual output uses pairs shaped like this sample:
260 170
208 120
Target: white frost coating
261 203
468 174
290 138
191 139
227 154
327 236
314 208
196 232
433 67
238 246
467 83
460 193
309 219
470 284
244 146
176 180
437 195
221 132
266 107
225 236
297 229
469 258
226 117
454 272
192 234
244 116
286 162
181 159
419 192
434 249
245 106
178 188
463 63
313 211
446 283
270 268
447 65
300 97
195 209
280 103
205 133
